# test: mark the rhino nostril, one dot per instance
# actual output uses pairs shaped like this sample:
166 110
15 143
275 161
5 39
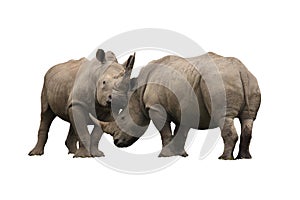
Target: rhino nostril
108 101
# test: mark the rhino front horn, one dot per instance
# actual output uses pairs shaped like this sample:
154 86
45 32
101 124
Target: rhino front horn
98 122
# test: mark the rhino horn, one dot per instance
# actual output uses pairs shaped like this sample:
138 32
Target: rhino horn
128 65
130 62
97 122
123 85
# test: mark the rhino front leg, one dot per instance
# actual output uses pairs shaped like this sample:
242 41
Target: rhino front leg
71 141
79 123
178 142
229 137
245 139
95 138
173 145
159 117
47 117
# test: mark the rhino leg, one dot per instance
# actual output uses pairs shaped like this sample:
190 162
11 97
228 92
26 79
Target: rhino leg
175 147
245 139
230 138
79 123
166 137
71 141
180 135
95 138
47 117
159 117
166 134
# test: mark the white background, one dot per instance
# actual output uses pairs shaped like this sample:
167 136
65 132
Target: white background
36 35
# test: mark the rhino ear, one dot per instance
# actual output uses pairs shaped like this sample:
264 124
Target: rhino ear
110 56
100 55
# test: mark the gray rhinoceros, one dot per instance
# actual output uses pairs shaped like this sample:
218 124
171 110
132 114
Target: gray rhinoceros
73 89
202 92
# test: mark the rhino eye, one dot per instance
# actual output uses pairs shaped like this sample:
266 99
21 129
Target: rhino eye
104 82
122 118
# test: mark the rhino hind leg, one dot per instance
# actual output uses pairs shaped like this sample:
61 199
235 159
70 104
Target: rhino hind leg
71 141
230 137
47 116
245 138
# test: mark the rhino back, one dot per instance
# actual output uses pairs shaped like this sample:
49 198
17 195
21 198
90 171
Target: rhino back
58 84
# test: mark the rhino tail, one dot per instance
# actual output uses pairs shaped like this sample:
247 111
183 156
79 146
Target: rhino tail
245 83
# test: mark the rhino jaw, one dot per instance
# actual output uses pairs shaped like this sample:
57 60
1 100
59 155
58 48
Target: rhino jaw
125 141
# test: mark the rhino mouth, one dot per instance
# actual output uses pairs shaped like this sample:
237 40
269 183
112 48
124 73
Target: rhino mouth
122 143
107 104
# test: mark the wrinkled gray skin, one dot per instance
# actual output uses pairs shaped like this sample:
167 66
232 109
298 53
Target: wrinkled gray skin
161 96
72 90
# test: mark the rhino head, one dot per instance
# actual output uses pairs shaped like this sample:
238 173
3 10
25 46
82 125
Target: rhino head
121 138
111 76
124 130
121 88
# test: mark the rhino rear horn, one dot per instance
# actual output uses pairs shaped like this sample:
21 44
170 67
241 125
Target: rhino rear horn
100 55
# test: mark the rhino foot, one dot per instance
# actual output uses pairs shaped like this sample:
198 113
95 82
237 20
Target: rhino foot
36 152
184 154
226 157
71 144
72 151
82 153
97 153
168 153
245 155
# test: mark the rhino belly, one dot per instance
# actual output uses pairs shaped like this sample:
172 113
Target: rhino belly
57 96
188 112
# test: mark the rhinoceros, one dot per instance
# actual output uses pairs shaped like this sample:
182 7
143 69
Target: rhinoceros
73 89
203 92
